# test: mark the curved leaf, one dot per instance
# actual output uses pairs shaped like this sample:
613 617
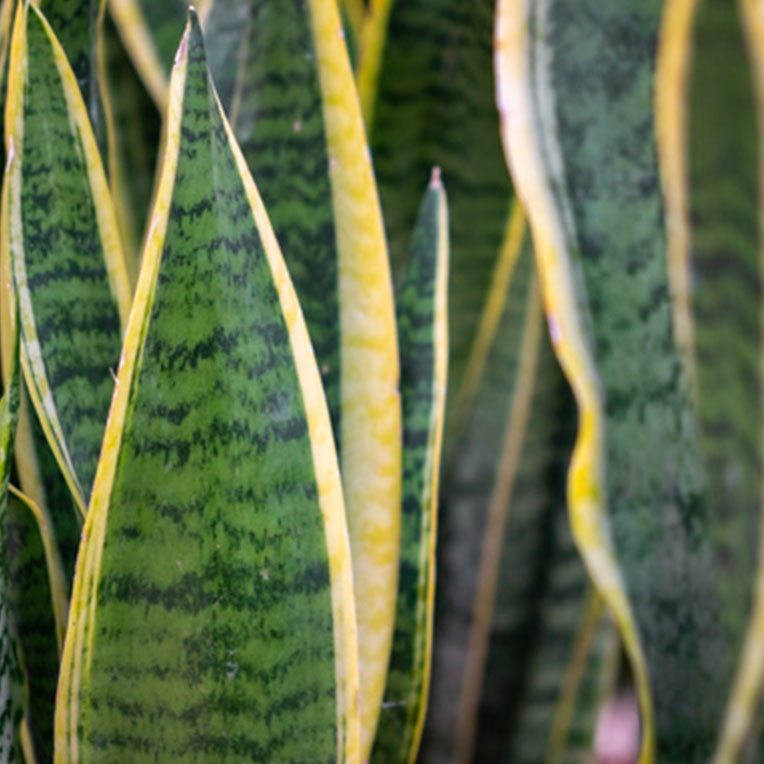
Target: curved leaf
61 232
216 535
576 98
423 325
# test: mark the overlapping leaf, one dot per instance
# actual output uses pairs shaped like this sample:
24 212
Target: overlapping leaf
296 114
423 325
434 105
61 237
578 127
215 571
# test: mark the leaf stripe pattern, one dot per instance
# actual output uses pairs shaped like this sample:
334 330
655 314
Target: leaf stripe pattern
745 696
297 117
422 323
61 232
531 164
435 105
216 531
9 407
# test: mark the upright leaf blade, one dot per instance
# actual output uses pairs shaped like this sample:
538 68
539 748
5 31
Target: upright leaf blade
423 326
297 116
65 252
9 705
216 531
434 105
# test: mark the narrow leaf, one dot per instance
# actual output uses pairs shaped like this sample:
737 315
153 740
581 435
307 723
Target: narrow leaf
434 105
215 570
422 323
39 601
65 252
298 120
9 704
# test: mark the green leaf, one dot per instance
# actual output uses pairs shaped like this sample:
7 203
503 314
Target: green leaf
723 262
215 571
423 327
150 31
576 97
299 123
133 127
9 702
39 601
62 240
435 105
74 23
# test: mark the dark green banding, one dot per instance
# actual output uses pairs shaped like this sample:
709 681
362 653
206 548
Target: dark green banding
213 632
75 313
727 301
436 106
33 624
278 120
11 700
422 399
598 60
74 22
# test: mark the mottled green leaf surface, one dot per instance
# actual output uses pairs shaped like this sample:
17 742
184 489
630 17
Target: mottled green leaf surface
278 120
33 623
74 22
435 106
421 312
722 158
599 59
9 698
66 259
203 601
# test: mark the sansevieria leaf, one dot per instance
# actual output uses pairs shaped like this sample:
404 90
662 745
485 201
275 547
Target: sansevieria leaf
432 103
39 603
296 115
65 253
422 311
9 700
576 98
214 582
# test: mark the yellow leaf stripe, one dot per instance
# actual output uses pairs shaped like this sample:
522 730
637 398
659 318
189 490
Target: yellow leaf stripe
371 414
674 55
531 164
59 589
371 48
80 634
31 356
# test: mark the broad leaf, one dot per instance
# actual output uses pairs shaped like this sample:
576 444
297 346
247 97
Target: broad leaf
65 254
423 325
215 571
299 124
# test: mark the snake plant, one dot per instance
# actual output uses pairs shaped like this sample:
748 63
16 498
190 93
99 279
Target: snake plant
303 458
